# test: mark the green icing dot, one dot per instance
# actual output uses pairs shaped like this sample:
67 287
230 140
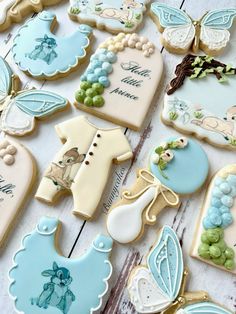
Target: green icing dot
98 101
85 85
213 235
204 238
229 264
90 92
229 253
214 251
203 251
220 260
98 88
88 101
80 95
221 245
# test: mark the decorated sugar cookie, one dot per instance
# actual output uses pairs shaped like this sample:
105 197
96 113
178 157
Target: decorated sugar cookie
82 165
17 175
13 11
20 108
177 167
201 100
112 15
159 286
43 55
119 72
181 34
214 240
59 285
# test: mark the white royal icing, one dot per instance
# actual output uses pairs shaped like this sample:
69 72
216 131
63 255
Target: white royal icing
5 5
214 39
179 37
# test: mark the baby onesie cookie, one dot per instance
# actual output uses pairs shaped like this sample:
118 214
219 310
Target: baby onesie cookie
181 34
119 72
83 164
20 108
43 55
214 240
177 167
201 100
112 15
14 11
18 170
59 285
159 286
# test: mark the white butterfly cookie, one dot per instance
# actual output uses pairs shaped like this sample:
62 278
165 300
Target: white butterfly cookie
181 34
20 108
160 286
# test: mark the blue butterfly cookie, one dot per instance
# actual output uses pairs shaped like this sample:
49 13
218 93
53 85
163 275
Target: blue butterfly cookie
20 108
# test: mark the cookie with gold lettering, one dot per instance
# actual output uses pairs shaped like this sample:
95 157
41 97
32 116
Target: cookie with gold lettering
17 175
114 84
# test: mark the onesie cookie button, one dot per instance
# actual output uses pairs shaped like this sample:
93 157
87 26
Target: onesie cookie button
86 162
91 153
95 144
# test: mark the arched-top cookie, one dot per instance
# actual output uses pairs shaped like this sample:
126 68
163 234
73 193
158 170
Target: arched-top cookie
112 15
201 100
40 53
59 284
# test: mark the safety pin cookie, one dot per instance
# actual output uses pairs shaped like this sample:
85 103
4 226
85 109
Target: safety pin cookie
159 286
214 241
112 15
60 284
181 34
43 55
200 100
177 167
114 84
18 170
13 11
20 108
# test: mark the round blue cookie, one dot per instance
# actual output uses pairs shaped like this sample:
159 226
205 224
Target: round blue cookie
187 171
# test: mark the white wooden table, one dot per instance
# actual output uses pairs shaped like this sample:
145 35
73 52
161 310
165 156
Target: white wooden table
77 234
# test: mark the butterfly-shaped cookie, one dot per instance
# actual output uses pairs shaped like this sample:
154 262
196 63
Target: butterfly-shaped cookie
181 34
19 108
160 286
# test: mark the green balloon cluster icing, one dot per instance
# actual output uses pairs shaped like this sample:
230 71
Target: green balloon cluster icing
214 248
90 94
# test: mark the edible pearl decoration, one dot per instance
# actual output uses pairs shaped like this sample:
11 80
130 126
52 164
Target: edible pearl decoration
7 152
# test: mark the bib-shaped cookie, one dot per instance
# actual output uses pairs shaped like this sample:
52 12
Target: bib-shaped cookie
112 15
43 281
201 100
178 166
120 72
159 285
17 174
14 11
214 240
40 53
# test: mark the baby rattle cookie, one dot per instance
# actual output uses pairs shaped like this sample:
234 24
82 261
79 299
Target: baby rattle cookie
43 55
159 286
214 240
83 164
112 15
20 108
14 11
114 84
59 285
200 100
181 34
18 170
177 167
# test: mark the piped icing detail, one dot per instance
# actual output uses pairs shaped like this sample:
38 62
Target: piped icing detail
219 217
20 108
45 55
7 152
96 76
59 283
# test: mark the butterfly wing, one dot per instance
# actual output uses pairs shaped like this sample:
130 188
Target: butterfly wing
179 31
39 103
203 308
165 262
214 33
5 80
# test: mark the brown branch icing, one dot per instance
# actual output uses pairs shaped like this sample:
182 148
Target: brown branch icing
199 67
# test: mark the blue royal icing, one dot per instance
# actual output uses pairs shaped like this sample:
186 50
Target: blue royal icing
45 55
222 200
59 285
187 171
205 307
